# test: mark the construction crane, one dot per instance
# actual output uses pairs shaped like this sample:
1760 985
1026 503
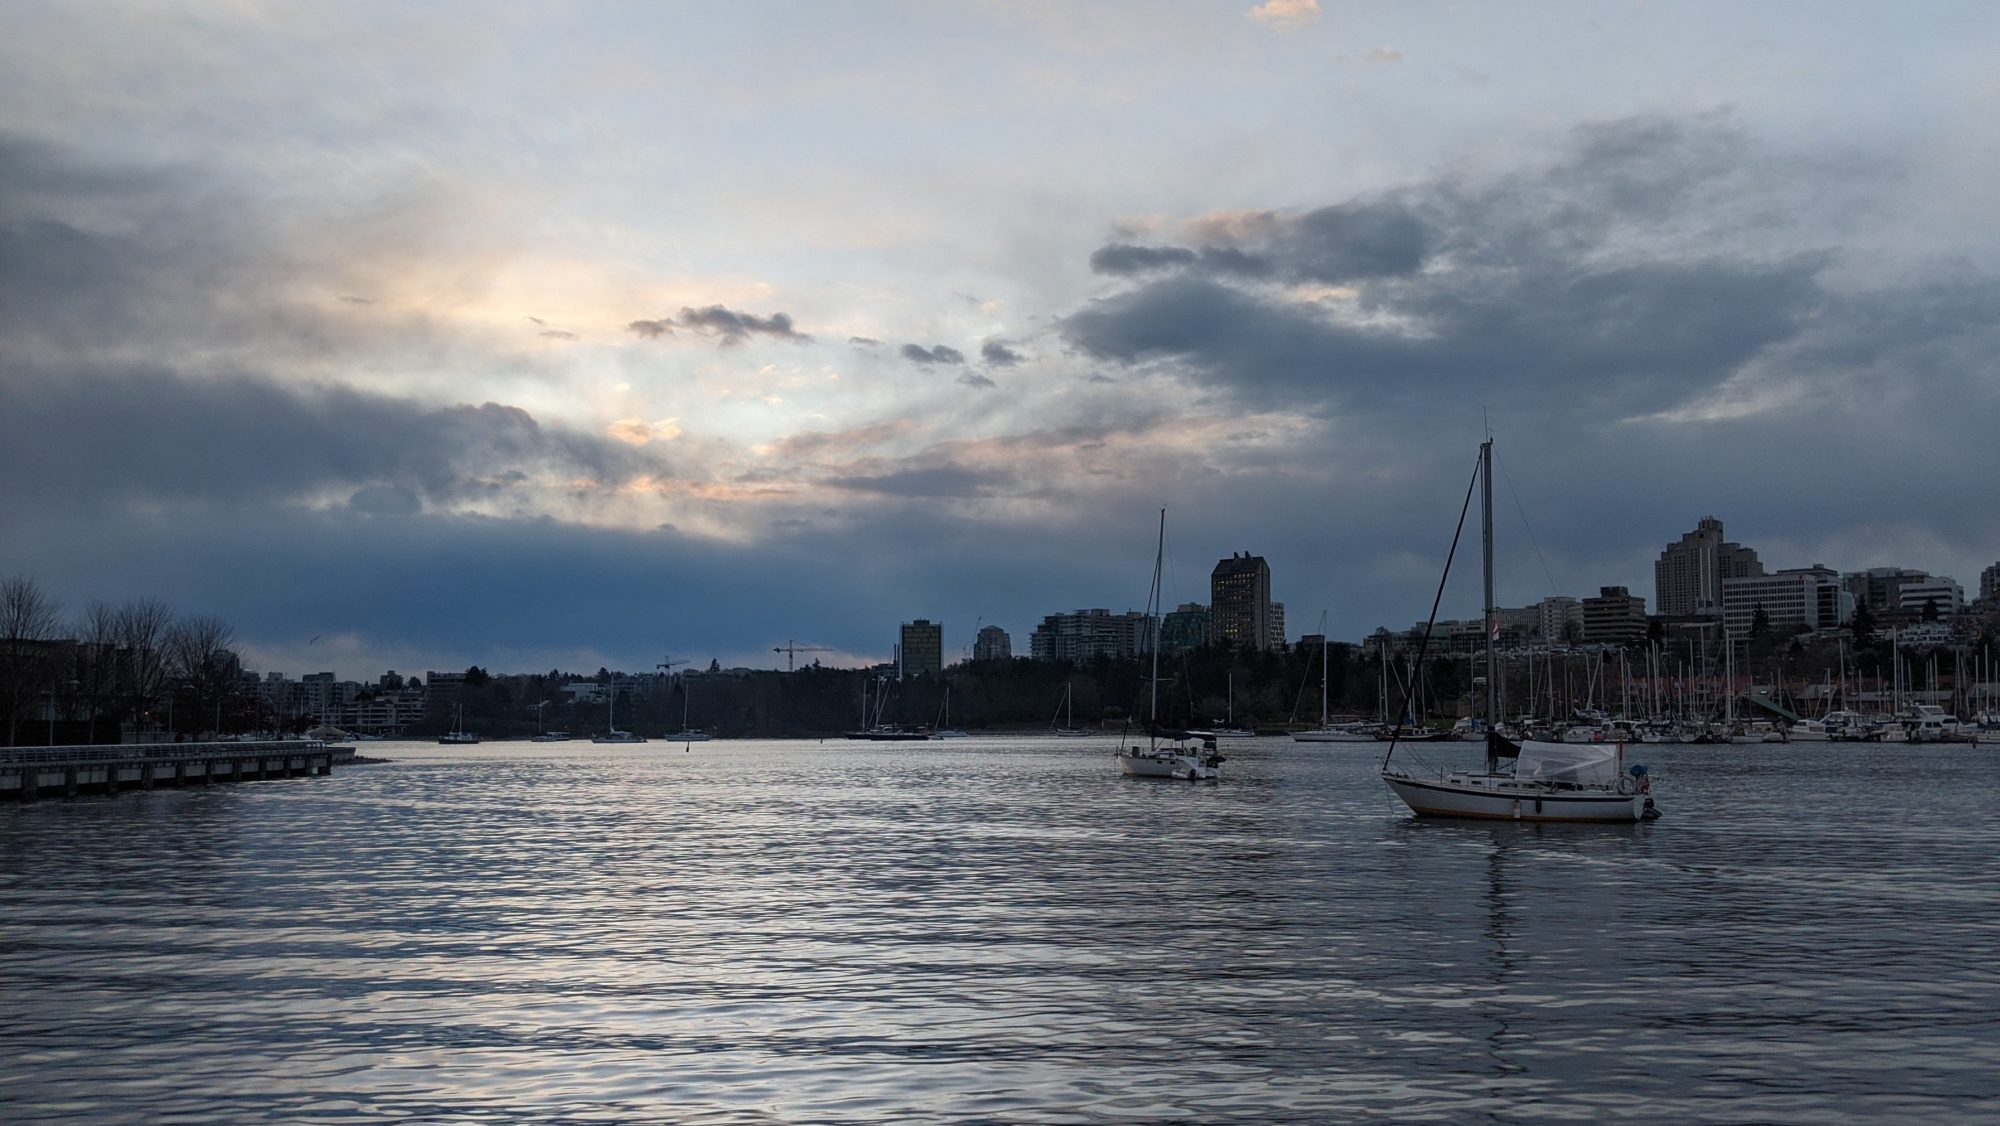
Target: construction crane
669 664
792 649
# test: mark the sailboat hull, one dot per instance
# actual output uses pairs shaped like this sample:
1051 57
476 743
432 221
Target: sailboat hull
1504 799
1142 765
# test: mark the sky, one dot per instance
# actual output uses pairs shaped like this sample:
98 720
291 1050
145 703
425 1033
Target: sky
560 336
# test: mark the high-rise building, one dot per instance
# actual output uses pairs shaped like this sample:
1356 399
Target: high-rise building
1809 597
1089 634
1276 617
1559 619
1615 617
1881 588
922 650
1688 577
1989 584
1239 601
1185 627
992 644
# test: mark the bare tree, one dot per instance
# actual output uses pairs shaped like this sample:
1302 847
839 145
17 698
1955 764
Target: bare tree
97 662
142 625
198 648
28 628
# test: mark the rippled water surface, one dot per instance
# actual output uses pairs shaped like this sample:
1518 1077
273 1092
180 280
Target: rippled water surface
1000 930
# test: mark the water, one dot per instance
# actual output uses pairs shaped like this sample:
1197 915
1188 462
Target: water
1005 931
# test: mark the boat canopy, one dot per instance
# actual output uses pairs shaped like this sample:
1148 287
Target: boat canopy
1581 764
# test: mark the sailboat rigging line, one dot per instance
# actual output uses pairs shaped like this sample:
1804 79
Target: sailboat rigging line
1423 646
1527 528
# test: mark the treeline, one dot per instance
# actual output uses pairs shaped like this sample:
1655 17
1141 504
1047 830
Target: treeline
84 678
1270 690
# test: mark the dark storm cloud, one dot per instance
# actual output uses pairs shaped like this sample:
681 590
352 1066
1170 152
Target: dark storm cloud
734 328
1558 287
158 436
935 481
936 354
999 355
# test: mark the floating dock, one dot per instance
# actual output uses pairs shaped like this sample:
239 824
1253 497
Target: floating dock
29 773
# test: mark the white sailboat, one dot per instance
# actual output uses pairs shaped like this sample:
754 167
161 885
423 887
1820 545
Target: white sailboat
458 736
545 736
687 733
611 732
1188 755
1540 781
944 729
1067 730
1328 732
1229 729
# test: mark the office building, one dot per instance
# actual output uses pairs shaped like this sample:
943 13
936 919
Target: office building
1275 617
1946 595
1615 617
1881 588
1239 602
1184 628
1989 584
1688 577
1086 635
992 644
921 652
1559 619
1792 599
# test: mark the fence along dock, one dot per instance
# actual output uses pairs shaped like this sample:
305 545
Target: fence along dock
29 773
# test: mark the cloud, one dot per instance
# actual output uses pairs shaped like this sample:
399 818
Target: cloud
735 328
557 334
938 481
1126 259
652 329
1286 15
936 354
999 355
634 432
863 341
974 379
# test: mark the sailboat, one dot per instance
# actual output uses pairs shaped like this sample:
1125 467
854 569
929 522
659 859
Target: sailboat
1229 728
687 733
1328 732
1067 730
944 729
458 736
543 735
1538 781
1167 754
611 732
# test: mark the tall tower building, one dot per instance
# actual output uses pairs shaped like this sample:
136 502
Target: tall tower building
1688 578
1239 591
992 644
922 650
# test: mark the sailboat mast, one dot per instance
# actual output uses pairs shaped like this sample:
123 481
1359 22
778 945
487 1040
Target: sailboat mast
1492 612
1159 559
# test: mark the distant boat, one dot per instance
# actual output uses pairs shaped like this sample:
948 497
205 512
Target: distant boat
1067 731
687 734
1542 781
1328 732
1229 728
611 733
1167 754
458 736
551 737
944 729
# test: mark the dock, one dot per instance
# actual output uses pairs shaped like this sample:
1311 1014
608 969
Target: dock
31 773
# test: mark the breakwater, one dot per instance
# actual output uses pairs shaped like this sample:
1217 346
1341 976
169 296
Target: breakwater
29 773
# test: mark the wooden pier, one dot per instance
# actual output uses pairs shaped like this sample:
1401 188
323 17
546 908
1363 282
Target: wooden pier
28 773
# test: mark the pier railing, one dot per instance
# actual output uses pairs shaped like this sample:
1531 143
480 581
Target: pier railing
28 773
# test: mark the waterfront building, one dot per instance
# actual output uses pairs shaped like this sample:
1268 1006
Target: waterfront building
1185 627
1945 593
1880 588
1089 634
1793 598
921 652
1989 584
1239 599
1558 619
1615 617
992 644
1688 577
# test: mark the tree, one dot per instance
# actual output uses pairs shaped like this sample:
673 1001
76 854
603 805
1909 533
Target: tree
476 677
28 627
1862 626
1760 623
141 626
1930 611
198 649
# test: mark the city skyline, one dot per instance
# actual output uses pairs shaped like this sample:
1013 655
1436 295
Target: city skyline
426 338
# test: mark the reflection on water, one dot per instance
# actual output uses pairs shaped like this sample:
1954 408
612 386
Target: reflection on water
999 930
